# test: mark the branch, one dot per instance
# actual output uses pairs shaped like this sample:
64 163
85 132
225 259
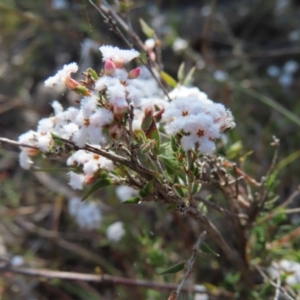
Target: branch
231 254
11 142
190 265
47 273
107 10
274 284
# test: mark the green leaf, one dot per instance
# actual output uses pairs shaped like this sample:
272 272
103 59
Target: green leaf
153 134
174 144
272 179
206 249
150 129
143 194
147 146
180 73
189 77
56 139
196 188
93 73
174 269
147 119
180 191
148 31
101 183
168 79
170 163
133 200
148 188
140 136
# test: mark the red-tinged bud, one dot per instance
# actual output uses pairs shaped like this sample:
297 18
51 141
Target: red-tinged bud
71 83
119 111
116 132
135 73
88 179
30 151
152 56
119 62
109 67
158 115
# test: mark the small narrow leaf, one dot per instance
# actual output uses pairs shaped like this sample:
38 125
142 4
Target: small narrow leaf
148 188
148 31
170 162
133 200
56 139
180 191
196 188
152 133
147 146
140 136
101 183
147 119
174 269
168 79
189 77
143 194
174 144
180 73
93 73
206 249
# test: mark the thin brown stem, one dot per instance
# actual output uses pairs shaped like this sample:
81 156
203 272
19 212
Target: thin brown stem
11 142
50 274
190 265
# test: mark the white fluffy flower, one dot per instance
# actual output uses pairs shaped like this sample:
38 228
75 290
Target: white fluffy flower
44 142
115 231
45 125
115 53
87 214
125 192
179 44
62 75
25 161
76 180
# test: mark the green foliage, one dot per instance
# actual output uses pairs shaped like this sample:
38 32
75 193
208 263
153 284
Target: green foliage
102 182
174 269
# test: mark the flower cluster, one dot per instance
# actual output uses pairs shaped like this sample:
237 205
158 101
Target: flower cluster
115 103
199 120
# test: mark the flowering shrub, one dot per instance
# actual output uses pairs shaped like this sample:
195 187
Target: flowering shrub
155 140
118 112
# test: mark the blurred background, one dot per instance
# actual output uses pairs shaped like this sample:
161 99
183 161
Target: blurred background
247 56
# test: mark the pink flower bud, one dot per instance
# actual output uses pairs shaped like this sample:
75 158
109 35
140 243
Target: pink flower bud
135 73
116 132
152 56
71 83
109 67
119 62
88 179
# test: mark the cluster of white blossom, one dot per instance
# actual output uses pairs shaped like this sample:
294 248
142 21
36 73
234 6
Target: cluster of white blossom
199 120
107 99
